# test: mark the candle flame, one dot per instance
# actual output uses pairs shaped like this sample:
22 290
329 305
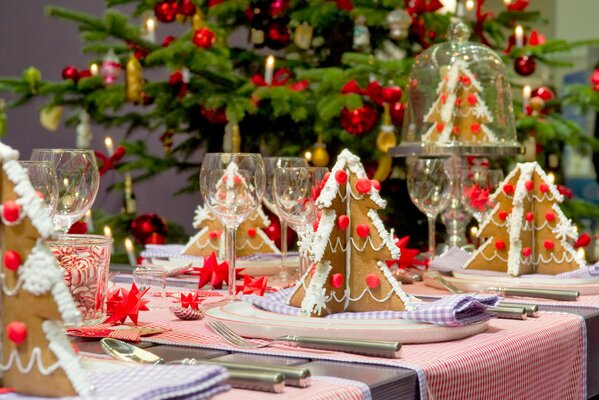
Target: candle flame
519 31
270 61
128 244
551 178
469 5
473 231
108 142
93 69
107 231
308 155
150 24
526 91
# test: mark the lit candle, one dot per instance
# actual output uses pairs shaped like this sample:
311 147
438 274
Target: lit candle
308 155
473 231
581 253
108 233
551 178
470 8
89 220
109 146
526 91
93 69
269 70
519 36
130 252
150 30
507 2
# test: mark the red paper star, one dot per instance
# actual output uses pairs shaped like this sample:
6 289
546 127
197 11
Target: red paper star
408 256
123 303
214 272
479 197
190 300
253 285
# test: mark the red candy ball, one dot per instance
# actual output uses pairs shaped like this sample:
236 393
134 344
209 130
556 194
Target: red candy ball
503 215
359 121
251 232
11 211
475 128
543 187
548 244
529 185
16 332
341 177
204 38
526 252
530 216
508 189
525 65
499 244
472 99
363 185
439 127
166 11
337 281
213 235
373 281
343 222
12 260
550 216
363 230
70 73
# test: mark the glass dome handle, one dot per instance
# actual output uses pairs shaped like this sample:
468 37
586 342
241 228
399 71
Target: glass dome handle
459 31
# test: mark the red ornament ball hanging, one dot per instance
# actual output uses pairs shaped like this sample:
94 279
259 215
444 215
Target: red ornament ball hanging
543 92
391 94
397 111
16 331
360 121
187 8
278 35
166 11
595 79
143 226
167 40
71 73
525 65
204 38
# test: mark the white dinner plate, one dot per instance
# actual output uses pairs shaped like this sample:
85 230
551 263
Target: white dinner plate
250 321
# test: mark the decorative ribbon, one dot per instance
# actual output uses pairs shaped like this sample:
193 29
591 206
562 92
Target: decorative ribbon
251 285
214 273
109 163
408 256
123 303
191 300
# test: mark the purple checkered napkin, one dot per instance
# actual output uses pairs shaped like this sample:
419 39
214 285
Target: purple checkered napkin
150 382
455 259
455 310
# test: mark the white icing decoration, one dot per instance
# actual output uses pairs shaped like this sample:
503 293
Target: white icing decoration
386 237
37 273
322 234
516 218
315 296
202 214
266 241
260 214
34 360
8 153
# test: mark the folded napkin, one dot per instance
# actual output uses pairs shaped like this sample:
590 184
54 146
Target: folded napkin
153 382
455 310
128 332
455 258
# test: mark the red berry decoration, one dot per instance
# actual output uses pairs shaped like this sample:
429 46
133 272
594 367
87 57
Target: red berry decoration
500 245
363 185
508 189
529 185
475 128
397 111
543 187
187 8
363 230
360 121
16 331
472 99
502 215
530 216
550 216
251 232
373 281
548 244
12 260
525 65
213 235
341 177
204 38
343 222
70 73
376 184
337 281
526 252
166 11
10 211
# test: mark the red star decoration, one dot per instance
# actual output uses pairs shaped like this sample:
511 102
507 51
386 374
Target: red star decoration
123 303
214 273
191 300
251 285
479 197
408 256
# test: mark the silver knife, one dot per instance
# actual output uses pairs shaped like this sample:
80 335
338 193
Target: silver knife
563 295
532 310
508 312
376 348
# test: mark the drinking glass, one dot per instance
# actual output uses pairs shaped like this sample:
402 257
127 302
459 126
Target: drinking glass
295 192
78 182
43 179
429 188
271 164
477 185
232 186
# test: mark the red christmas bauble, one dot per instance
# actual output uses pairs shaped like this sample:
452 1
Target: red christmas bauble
278 7
543 92
517 5
175 78
146 224
71 73
187 8
204 38
391 94
78 228
155 238
166 11
273 231
214 116
278 35
16 332
525 65
167 40
360 121
595 79
397 111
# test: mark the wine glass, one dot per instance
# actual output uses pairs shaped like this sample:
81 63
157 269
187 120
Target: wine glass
232 186
43 179
271 164
78 182
295 192
430 189
477 185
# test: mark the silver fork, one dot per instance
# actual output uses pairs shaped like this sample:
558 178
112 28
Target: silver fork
233 338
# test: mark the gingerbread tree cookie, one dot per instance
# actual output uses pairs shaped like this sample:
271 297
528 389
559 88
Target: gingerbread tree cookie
251 237
348 248
527 231
37 358
459 114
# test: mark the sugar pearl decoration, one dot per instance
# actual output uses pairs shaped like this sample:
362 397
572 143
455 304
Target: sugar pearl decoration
213 235
472 99
12 260
10 211
508 189
499 244
548 244
530 216
16 331
363 230
550 216
337 281
373 281
363 185
251 232
529 185
502 215
543 187
343 222
341 177
526 252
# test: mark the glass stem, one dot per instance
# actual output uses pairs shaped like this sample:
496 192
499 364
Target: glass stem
431 235
283 273
230 251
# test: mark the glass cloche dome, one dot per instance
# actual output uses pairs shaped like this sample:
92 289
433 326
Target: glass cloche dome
459 101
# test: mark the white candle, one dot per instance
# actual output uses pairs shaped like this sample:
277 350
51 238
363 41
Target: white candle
89 220
108 233
109 146
526 91
519 36
150 30
507 2
130 252
551 177
470 8
93 69
269 70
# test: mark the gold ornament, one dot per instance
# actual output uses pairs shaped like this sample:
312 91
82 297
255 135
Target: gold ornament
386 138
198 20
236 139
303 36
384 168
50 117
320 155
134 80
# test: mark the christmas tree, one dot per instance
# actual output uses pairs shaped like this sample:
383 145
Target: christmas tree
37 357
349 247
527 231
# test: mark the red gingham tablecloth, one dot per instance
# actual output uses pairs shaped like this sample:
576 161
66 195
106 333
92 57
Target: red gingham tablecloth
541 357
